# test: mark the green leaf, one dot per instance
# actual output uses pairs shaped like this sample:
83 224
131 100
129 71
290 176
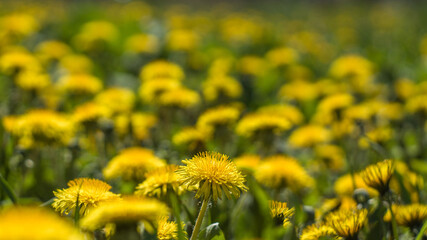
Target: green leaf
212 232
422 231
8 189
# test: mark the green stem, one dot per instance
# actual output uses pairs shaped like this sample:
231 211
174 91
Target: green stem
393 219
199 219
8 189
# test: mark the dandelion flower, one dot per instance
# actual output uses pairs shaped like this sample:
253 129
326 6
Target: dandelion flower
179 97
32 80
80 84
248 162
412 215
219 86
282 56
128 209
254 123
142 43
317 232
309 135
141 124
378 175
218 116
159 181
90 112
192 137
182 40
332 156
150 91
346 184
52 50
167 230
280 171
347 223
35 223
161 69
281 213
119 100
17 61
76 64
132 164
300 90
95 32
292 113
214 174
89 193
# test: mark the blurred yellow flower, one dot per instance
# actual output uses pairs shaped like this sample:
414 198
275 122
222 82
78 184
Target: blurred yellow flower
247 162
35 223
347 223
282 56
405 88
309 135
89 193
94 33
76 64
132 164
142 43
179 97
118 100
159 181
90 112
318 231
214 175
150 91
218 116
220 86
19 24
32 80
281 171
417 103
253 123
182 40
412 215
378 175
300 90
377 135
80 84
192 137
346 184
356 69
161 69
52 50
332 156
141 124
292 113
128 209
17 60
252 65
281 213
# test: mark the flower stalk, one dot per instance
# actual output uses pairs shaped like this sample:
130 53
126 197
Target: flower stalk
199 219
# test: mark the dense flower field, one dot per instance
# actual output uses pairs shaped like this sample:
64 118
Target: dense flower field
128 120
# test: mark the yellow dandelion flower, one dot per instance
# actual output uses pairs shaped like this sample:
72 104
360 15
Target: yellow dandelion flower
159 181
52 50
378 175
161 69
32 81
17 60
179 97
309 135
132 164
330 155
254 123
346 184
412 215
297 71
282 56
142 43
405 88
76 64
19 24
292 113
416 103
329 205
150 91
347 223
141 124
377 135
218 116
182 40
359 112
214 174
127 209
252 65
281 213
95 32
119 100
220 86
281 171
80 84
221 66
89 192
167 230
247 162
90 112
35 223
356 69
317 232
335 102
41 126
300 90
190 136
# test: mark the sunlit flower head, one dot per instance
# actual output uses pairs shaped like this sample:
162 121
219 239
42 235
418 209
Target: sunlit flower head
41 126
309 135
18 60
95 33
119 100
335 102
412 215
167 230
218 116
252 65
347 223
150 91
132 164
292 113
281 171
141 124
378 175
161 69
331 156
214 175
416 104
76 64
19 24
248 162
159 181
35 223
405 88
52 50
254 123
142 43
220 86
281 213
300 90
378 135
80 84
353 68
317 232
179 97
182 40
192 137
89 193
90 112
32 80
126 209
282 56
346 184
